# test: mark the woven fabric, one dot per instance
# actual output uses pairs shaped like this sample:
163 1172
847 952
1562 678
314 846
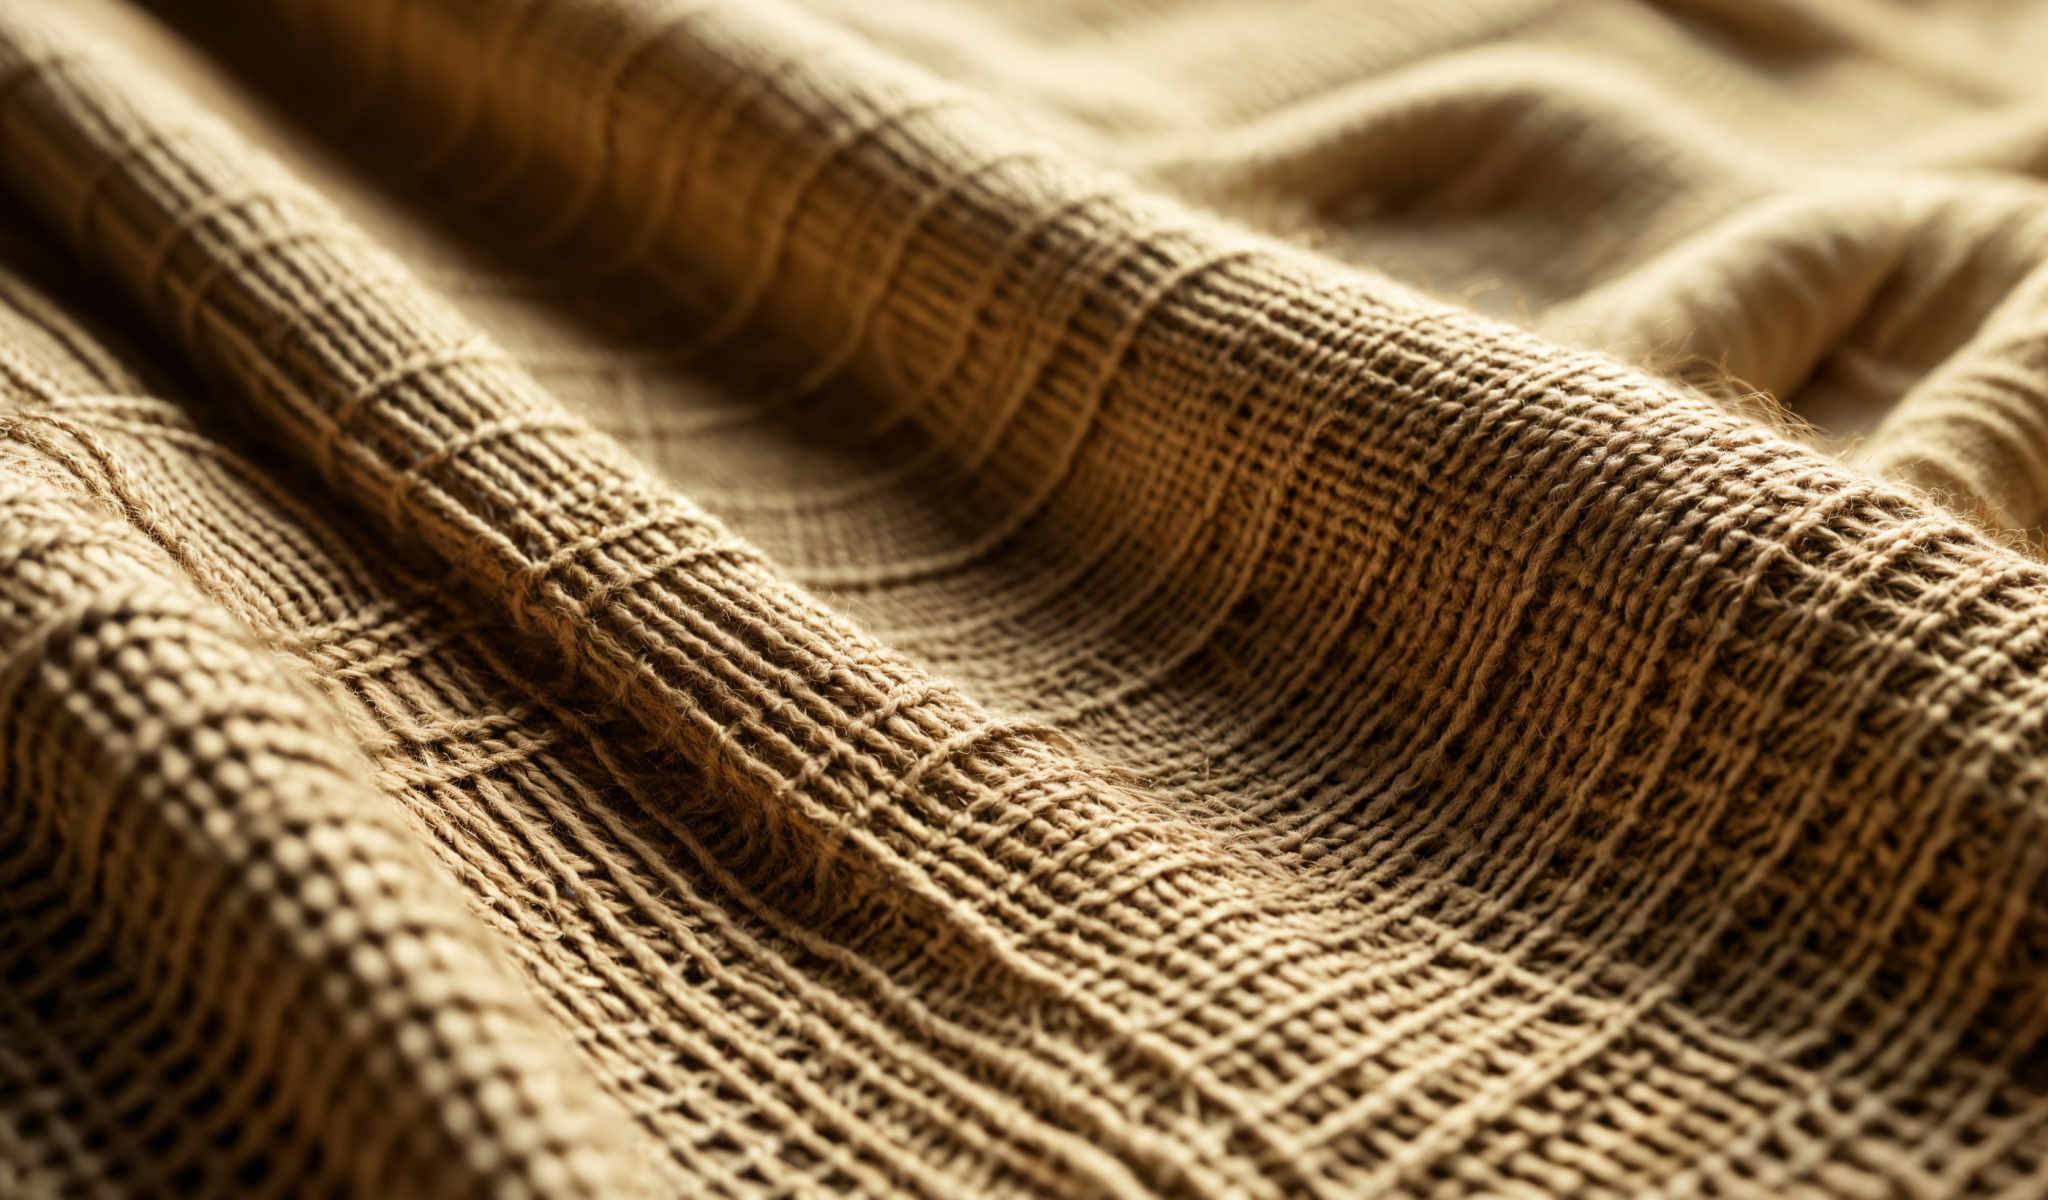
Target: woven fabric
1102 598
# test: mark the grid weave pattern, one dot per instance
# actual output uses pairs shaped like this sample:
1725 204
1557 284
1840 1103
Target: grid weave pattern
715 617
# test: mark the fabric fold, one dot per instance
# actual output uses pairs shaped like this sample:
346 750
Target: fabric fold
166 780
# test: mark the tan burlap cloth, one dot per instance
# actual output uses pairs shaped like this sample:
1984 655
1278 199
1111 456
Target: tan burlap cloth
957 598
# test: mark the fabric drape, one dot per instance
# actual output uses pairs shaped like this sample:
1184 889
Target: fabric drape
956 598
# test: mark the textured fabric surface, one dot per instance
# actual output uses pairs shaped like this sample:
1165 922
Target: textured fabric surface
972 598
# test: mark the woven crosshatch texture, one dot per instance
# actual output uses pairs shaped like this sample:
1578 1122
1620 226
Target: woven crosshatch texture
1108 598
